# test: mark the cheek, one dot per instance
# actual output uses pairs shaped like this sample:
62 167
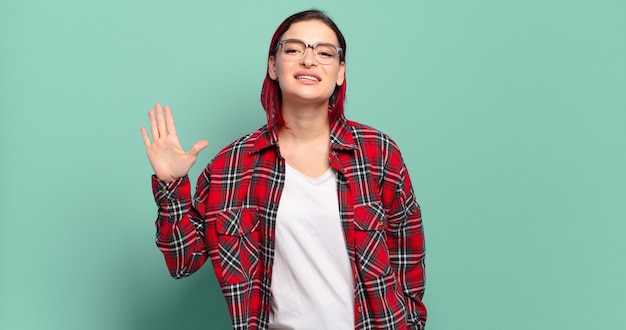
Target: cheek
337 78
281 67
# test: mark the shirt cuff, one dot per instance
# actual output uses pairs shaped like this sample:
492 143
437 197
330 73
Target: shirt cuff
167 190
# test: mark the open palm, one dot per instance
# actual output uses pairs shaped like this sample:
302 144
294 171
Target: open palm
168 159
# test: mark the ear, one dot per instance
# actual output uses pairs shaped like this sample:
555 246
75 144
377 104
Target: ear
341 75
271 67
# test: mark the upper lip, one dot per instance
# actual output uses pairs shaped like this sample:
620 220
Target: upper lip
307 73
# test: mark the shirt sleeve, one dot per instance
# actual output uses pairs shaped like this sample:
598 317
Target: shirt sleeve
405 239
179 226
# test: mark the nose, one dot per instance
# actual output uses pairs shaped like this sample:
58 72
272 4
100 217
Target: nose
308 59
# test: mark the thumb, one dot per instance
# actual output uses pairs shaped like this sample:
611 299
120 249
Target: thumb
198 147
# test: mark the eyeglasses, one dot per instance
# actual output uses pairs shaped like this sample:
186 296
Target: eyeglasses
295 49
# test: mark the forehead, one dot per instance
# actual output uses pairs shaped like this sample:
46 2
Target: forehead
311 32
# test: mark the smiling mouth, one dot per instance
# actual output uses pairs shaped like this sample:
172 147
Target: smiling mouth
309 78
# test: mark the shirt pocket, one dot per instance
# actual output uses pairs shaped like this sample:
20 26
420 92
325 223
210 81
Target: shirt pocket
238 237
372 253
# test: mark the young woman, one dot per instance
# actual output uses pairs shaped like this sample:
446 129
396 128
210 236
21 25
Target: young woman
310 222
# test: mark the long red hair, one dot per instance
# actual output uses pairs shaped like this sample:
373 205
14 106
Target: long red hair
271 97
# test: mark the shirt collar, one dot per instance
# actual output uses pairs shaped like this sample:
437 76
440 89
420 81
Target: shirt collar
340 136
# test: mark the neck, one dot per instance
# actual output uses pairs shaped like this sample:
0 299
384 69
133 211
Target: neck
305 122
305 142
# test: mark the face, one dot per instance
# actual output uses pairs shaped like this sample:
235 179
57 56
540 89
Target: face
306 80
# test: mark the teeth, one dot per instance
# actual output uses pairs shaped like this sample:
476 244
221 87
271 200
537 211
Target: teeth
307 78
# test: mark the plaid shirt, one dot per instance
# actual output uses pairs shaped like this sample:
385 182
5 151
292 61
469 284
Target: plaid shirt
232 220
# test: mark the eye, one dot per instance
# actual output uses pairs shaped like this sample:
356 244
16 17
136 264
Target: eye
292 51
325 54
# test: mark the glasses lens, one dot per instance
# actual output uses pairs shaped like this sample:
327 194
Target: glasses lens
325 53
294 49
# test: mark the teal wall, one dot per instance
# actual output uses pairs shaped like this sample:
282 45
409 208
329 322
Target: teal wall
511 116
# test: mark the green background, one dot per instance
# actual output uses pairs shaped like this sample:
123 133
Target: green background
511 116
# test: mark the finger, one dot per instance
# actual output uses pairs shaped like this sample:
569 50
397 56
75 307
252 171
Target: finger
160 120
169 121
146 138
153 126
198 147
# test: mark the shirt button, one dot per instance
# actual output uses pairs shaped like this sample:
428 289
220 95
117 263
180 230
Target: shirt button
380 223
360 309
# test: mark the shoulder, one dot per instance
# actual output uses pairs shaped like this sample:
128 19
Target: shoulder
376 153
239 149
369 138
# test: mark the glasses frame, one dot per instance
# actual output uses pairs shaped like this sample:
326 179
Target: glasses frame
312 46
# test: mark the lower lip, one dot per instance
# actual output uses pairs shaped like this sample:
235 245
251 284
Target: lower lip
307 82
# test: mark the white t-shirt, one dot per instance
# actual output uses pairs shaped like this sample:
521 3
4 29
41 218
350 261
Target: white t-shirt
312 283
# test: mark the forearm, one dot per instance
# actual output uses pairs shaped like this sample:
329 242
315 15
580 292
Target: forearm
407 248
179 229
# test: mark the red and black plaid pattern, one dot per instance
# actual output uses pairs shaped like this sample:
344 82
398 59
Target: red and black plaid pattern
232 218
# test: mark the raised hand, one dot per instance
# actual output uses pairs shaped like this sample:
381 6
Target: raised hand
168 159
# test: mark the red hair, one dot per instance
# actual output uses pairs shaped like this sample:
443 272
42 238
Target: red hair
271 97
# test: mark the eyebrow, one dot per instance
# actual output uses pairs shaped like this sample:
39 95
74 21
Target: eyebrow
313 43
